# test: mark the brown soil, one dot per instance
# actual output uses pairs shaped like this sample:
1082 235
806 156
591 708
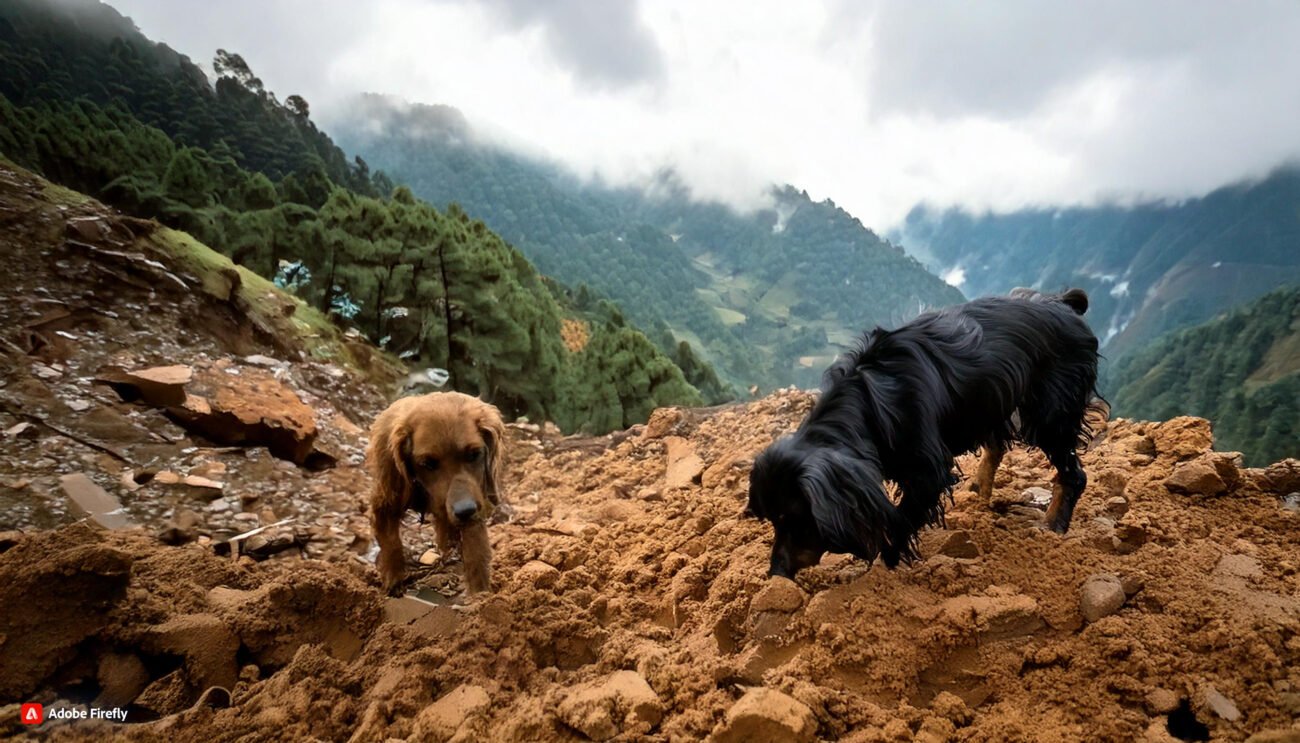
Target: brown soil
603 569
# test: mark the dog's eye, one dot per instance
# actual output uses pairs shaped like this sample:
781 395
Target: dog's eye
429 463
473 455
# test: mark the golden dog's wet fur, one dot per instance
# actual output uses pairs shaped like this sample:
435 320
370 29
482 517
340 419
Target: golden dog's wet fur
435 454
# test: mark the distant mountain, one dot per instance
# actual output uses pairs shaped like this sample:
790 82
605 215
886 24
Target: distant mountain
1240 370
1148 269
769 297
89 102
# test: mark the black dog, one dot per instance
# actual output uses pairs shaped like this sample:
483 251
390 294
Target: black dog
985 373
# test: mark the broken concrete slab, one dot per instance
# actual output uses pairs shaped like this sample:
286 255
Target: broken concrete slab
93 502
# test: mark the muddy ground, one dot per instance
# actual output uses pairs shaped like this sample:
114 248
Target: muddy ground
630 597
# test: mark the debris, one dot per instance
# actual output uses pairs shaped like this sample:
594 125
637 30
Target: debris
1219 704
93 502
448 716
1102 595
685 467
22 430
766 716
1196 477
159 386
621 702
960 545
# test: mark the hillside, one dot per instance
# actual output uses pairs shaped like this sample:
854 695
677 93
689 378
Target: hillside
438 289
769 297
1148 269
1240 370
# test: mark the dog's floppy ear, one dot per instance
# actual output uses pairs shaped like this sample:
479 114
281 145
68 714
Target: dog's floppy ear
390 463
849 504
493 432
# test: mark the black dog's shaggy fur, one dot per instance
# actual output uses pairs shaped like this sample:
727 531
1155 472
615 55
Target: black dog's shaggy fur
985 373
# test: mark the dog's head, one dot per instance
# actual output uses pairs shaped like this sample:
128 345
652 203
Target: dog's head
447 445
819 499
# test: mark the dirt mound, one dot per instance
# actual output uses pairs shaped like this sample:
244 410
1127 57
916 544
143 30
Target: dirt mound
631 603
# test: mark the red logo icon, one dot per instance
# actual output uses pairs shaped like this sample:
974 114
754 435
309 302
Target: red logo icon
32 714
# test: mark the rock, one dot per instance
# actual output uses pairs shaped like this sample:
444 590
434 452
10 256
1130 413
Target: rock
429 557
91 501
1116 507
1000 615
650 494
951 707
779 594
23 430
1219 704
160 386
249 409
1282 477
203 483
1196 477
78 405
1228 465
207 644
122 676
166 695
684 467
765 715
443 719
1037 496
621 702
1161 701
959 544
661 422
1128 538
1182 437
1240 566
1102 595
258 359
537 573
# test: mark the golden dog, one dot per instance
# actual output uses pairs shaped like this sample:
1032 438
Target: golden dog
438 454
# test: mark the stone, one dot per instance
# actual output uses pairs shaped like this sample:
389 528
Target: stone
1282 477
23 430
429 557
249 409
160 386
181 528
661 422
1161 701
1196 477
537 573
443 719
621 702
684 467
996 616
167 695
1037 496
1102 595
1219 704
951 707
1116 506
765 715
93 502
779 594
960 545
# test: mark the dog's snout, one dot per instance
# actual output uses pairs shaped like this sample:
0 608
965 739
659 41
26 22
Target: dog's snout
464 509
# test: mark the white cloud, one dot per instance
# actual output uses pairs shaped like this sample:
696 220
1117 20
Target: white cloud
876 105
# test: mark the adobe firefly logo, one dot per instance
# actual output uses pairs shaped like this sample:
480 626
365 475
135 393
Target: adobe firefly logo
32 713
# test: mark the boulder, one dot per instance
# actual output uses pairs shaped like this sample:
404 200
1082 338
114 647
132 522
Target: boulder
251 408
1102 595
765 715
662 420
1199 476
621 702
1183 437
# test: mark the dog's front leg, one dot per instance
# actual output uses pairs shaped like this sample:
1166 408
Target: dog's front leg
392 559
988 469
476 553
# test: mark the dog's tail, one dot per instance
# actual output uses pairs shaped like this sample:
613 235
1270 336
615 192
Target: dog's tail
1076 299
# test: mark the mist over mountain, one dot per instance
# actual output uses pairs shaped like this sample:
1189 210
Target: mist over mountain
769 296
1148 268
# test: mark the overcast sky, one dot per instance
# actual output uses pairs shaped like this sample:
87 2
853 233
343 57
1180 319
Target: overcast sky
875 105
